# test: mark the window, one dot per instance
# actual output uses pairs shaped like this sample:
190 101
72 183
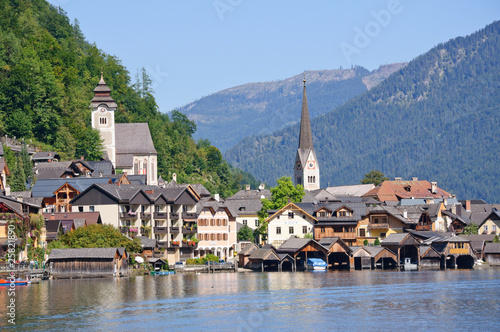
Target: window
362 232
257 222
304 229
290 230
290 215
103 120
212 222
245 222
382 235
278 230
224 222
80 209
218 222
485 228
494 228
218 237
213 237
91 208
225 237
322 229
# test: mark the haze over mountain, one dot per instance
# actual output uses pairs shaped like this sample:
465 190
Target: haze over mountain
228 116
438 119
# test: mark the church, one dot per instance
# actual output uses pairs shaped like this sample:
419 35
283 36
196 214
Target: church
128 146
306 168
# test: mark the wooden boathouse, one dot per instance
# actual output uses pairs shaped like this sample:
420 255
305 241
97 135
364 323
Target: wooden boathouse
88 263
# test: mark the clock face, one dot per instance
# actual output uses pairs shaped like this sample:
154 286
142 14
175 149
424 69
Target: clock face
102 109
299 166
311 164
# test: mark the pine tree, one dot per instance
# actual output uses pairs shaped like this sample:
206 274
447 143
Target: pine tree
26 159
18 182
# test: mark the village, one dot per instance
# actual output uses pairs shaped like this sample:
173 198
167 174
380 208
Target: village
406 224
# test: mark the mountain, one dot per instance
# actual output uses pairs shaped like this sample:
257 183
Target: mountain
260 108
438 119
47 73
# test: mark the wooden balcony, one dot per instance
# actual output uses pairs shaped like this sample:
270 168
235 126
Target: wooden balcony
460 251
188 216
160 215
174 229
378 226
345 236
145 215
124 230
188 230
128 215
423 228
160 230
162 244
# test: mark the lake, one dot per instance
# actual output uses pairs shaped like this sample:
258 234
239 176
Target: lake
356 300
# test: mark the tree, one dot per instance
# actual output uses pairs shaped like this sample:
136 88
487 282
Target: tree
245 233
375 177
471 229
25 157
89 144
18 181
283 193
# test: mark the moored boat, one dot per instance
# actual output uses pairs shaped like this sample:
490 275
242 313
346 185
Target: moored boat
16 282
316 264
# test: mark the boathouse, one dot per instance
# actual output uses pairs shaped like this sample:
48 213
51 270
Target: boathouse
373 257
301 249
492 253
244 254
88 263
404 245
266 259
339 253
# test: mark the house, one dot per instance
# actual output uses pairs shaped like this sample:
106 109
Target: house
290 221
455 251
372 257
478 242
382 221
301 249
148 246
394 191
336 219
245 253
45 157
165 214
216 228
128 146
404 245
4 172
338 252
267 259
490 224
101 168
88 263
356 190
62 169
454 222
492 253
247 203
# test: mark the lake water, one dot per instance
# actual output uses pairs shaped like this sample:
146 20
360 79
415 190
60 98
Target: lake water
357 300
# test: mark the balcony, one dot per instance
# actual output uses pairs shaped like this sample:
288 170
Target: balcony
145 215
160 215
162 244
160 230
146 231
174 215
124 230
174 230
188 215
188 230
345 236
51 236
128 215
378 226
423 228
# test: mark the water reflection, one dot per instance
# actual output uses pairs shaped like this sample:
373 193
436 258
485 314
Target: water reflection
261 301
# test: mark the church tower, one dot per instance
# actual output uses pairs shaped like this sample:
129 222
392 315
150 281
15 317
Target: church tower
306 168
103 118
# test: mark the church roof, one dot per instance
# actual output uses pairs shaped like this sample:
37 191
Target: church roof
133 138
102 95
305 138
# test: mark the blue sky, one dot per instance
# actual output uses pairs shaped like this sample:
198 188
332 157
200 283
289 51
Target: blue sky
194 48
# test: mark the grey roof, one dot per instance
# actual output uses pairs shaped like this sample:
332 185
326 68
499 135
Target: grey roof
492 248
294 243
101 167
394 238
45 155
355 190
124 160
454 216
46 187
83 253
200 189
393 211
322 195
251 194
248 248
133 138
264 253
374 250
147 242
79 223
208 202
155 260
1 150
52 226
244 206
358 209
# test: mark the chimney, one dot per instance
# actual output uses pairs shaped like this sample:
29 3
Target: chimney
81 158
434 186
262 186
414 179
397 179
445 201
458 209
7 191
217 197
405 214
467 205
247 187
174 177
454 209
52 216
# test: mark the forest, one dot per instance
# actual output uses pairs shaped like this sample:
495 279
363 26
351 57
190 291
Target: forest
47 73
436 119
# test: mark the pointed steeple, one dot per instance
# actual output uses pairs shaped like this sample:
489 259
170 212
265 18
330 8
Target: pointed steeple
305 138
103 95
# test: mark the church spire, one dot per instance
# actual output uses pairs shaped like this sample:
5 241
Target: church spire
305 138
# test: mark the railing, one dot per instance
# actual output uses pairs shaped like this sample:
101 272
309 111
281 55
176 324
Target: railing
174 215
128 215
174 230
378 226
160 229
188 215
346 235
145 215
124 230
188 230
160 215
463 251
145 231
162 244
423 228
158 254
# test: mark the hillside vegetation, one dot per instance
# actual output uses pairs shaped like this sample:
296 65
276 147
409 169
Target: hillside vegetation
228 116
438 119
47 73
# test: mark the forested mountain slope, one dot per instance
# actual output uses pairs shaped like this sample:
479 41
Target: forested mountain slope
438 119
228 116
47 73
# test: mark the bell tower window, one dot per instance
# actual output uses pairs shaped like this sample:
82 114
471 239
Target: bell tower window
103 120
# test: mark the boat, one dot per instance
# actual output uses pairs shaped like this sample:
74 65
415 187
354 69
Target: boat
409 266
17 282
161 273
316 264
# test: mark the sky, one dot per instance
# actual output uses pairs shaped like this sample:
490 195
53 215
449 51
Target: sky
191 49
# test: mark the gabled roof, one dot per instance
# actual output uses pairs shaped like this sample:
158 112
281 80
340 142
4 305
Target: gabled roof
147 242
45 155
133 139
393 211
357 190
52 226
244 206
396 190
106 253
477 241
101 167
246 250
295 244
291 206
492 248
397 239
266 254
47 187
251 194
493 215
90 218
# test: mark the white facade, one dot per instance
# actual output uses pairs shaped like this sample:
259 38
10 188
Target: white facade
289 221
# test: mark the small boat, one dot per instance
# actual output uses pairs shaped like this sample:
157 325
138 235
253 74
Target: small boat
409 266
316 264
17 282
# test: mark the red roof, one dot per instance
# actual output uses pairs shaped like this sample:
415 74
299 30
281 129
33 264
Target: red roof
91 218
397 190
